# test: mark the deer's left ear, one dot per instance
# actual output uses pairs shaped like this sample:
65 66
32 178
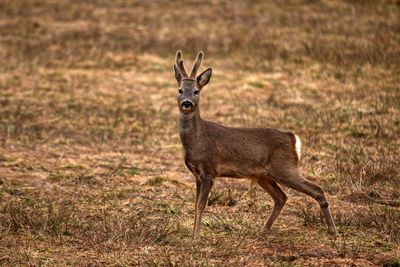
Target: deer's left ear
204 77
178 76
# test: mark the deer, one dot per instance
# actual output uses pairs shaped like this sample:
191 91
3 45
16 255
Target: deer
269 157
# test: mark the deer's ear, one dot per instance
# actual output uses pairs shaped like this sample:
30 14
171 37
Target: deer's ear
204 77
178 76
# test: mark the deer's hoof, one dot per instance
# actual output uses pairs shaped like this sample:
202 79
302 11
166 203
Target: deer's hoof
265 231
195 239
333 234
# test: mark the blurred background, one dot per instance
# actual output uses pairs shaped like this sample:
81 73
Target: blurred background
113 33
91 168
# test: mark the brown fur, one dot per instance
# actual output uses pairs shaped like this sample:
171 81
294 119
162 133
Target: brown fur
267 156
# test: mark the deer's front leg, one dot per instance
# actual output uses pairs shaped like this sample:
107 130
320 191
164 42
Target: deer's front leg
198 184
203 188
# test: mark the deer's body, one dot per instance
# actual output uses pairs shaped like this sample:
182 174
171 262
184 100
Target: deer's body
233 152
268 156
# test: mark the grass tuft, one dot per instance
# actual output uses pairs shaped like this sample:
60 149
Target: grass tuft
156 181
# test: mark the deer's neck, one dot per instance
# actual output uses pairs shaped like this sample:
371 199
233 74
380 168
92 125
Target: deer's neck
189 128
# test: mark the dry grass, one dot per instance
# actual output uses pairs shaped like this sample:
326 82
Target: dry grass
91 169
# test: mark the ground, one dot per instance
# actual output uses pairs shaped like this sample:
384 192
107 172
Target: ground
91 168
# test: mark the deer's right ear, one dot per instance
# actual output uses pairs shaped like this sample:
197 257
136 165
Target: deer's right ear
178 76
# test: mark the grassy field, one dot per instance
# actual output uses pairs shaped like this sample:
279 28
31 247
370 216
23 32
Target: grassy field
91 167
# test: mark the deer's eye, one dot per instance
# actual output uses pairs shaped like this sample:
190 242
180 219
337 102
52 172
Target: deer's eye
196 92
180 91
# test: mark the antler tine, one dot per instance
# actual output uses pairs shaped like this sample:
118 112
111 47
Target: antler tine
182 69
196 65
178 56
179 64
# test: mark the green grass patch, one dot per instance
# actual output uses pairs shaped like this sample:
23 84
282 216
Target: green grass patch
74 167
157 181
256 84
58 176
134 170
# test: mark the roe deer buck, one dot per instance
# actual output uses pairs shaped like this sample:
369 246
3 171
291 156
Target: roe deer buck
268 156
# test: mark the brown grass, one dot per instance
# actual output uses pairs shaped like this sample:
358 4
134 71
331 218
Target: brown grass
91 169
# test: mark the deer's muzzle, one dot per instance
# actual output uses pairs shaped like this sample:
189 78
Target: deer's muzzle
187 105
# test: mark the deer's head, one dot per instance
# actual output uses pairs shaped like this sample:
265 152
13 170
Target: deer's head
189 86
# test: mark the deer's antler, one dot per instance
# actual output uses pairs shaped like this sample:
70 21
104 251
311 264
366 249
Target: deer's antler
180 66
196 65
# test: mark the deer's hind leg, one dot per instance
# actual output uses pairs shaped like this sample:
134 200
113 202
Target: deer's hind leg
277 195
292 178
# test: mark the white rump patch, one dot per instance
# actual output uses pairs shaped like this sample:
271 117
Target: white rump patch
298 146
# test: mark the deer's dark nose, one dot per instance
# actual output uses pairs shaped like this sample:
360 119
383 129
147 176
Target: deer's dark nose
186 104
